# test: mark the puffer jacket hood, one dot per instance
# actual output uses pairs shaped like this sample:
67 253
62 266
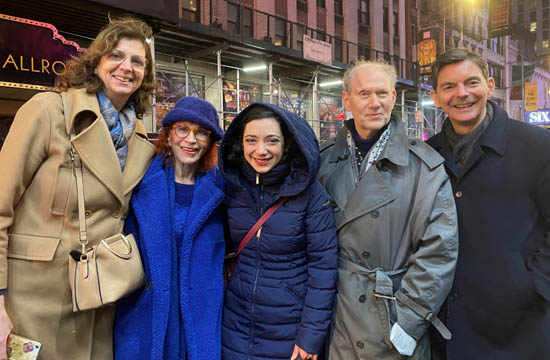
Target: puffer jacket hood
304 165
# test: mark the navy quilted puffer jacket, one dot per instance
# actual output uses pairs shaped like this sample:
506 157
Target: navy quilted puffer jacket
283 286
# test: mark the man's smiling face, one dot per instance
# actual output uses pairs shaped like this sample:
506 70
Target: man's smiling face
462 92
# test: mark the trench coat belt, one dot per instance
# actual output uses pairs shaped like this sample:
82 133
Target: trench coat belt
384 289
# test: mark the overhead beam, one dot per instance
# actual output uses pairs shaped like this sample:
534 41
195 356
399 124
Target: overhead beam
208 51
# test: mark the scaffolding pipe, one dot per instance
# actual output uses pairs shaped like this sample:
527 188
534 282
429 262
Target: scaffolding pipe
186 78
220 88
403 112
315 105
271 83
238 90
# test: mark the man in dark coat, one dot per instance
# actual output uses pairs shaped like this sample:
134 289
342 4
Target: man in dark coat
500 172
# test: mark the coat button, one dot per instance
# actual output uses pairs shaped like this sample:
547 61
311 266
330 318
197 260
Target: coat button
116 213
375 214
365 255
453 296
88 214
148 286
360 344
362 298
458 194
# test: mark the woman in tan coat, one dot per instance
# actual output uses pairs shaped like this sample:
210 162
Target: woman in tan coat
103 93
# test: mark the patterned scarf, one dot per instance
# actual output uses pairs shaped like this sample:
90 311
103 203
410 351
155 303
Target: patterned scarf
121 125
373 155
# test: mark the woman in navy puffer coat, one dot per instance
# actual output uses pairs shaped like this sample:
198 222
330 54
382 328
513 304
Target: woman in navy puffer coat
278 303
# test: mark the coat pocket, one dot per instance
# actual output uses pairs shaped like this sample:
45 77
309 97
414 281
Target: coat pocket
30 247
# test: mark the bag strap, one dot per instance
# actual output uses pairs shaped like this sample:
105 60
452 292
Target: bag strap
259 224
77 171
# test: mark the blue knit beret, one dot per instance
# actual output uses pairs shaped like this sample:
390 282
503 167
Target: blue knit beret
197 111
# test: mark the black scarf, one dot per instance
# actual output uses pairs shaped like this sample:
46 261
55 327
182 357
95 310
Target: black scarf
463 145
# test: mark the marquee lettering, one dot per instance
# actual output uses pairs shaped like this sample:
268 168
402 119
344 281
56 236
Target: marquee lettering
32 65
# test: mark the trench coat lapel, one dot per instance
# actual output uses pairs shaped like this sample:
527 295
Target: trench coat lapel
93 144
97 152
371 193
138 148
340 181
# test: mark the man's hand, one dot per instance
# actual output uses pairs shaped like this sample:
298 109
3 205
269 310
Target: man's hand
5 329
301 354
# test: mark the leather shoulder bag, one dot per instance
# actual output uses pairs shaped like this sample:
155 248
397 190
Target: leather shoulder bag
106 272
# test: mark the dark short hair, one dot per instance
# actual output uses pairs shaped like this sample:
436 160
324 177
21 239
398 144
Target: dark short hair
457 55
80 69
235 153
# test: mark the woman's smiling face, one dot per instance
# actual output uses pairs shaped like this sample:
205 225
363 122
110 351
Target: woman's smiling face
263 144
122 70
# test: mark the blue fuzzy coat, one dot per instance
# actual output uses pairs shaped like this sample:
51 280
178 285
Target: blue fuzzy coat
283 286
142 318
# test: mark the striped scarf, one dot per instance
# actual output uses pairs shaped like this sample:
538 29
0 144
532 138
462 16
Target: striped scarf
121 125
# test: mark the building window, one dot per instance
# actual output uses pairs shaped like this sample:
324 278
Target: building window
413 33
395 23
364 12
190 10
280 32
533 26
496 45
247 22
321 4
321 36
239 20
338 7
495 71
300 37
301 9
545 44
233 21
338 49
386 21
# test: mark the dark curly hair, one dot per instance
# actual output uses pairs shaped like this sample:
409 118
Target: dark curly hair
80 69
234 152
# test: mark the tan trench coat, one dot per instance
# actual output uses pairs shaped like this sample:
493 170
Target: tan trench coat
397 236
39 217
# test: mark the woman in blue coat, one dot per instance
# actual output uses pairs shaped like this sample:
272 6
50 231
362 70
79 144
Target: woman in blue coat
176 219
278 304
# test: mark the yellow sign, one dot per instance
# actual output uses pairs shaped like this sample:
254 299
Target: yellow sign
426 52
531 103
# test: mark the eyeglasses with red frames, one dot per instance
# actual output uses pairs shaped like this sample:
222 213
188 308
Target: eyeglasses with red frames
183 131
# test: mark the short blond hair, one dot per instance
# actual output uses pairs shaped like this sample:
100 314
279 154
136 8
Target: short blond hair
359 64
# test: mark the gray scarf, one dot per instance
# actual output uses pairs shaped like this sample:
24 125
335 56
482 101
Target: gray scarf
463 145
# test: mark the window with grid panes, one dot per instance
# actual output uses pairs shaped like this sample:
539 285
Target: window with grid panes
233 19
190 10
364 12
386 21
280 32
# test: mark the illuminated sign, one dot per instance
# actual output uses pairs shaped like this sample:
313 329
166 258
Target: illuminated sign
32 53
539 117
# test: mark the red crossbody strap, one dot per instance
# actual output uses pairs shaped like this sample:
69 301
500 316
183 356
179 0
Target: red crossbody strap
259 223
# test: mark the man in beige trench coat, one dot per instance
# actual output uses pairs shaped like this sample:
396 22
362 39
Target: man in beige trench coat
397 226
